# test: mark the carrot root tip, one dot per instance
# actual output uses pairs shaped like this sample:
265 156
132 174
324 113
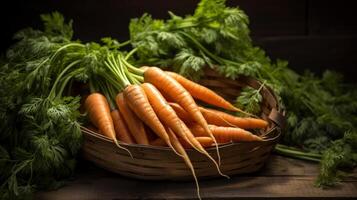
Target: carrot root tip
127 150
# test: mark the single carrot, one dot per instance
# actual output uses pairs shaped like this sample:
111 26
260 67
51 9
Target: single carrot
176 91
168 116
204 94
98 110
135 125
179 148
137 100
220 118
205 142
121 130
226 134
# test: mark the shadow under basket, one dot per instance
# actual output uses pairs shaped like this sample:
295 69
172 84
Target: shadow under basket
161 163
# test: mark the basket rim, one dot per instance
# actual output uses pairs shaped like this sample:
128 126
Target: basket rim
225 145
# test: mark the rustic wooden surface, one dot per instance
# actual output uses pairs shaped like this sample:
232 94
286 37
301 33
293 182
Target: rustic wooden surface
281 178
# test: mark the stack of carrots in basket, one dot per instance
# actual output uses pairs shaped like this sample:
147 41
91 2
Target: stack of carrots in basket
149 106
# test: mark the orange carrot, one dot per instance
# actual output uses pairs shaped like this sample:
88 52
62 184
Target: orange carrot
226 134
203 93
181 113
137 100
204 141
179 148
120 127
98 110
220 118
174 90
135 125
168 116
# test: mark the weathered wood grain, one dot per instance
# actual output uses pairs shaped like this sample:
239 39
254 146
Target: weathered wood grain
281 178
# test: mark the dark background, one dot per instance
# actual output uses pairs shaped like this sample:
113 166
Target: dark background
309 34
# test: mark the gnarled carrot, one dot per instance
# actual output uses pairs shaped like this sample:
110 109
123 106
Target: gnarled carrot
98 110
120 127
176 91
137 100
226 134
135 125
168 116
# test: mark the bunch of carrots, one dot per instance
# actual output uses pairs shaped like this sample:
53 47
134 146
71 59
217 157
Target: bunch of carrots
127 104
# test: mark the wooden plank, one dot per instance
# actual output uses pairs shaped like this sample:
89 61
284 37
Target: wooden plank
281 178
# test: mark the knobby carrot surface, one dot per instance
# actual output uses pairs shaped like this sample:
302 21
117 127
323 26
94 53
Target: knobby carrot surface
137 100
120 127
135 125
203 93
176 91
168 116
226 134
220 118
98 110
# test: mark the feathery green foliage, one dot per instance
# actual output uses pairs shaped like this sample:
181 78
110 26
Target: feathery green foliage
320 110
39 125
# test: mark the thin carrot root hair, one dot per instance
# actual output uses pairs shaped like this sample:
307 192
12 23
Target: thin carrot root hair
217 150
121 147
244 112
200 149
187 160
173 149
115 141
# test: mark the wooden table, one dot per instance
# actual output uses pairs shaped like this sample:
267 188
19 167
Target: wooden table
281 178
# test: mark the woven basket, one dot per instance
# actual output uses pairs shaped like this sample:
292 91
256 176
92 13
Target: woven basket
161 163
